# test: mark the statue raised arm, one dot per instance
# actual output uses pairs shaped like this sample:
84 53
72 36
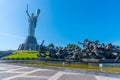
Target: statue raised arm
42 43
32 20
27 11
82 43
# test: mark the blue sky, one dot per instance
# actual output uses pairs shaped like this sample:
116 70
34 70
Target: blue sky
60 21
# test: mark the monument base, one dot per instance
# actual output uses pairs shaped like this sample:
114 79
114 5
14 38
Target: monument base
29 44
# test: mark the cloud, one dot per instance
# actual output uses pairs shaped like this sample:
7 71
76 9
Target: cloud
11 35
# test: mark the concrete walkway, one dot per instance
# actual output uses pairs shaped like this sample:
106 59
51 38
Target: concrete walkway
15 72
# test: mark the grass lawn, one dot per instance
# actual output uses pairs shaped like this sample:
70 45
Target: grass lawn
23 54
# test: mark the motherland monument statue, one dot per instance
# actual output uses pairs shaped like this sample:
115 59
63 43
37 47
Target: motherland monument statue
30 42
32 20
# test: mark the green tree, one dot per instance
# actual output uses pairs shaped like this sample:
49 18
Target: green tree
51 45
73 46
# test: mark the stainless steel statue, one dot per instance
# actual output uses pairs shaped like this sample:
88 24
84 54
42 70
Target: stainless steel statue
32 20
30 42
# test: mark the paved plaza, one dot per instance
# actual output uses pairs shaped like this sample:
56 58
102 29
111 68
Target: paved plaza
17 72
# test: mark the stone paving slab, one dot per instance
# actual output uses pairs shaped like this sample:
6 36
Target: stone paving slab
4 75
3 70
105 78
12 67
26 78
25 69
44 73
15 72
76 77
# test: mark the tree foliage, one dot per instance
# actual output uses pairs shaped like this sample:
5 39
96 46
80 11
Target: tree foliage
73 46
51 45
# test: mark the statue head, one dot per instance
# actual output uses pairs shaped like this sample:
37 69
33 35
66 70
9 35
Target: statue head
32 15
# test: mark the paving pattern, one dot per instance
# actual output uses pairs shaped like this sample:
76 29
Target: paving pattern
15 72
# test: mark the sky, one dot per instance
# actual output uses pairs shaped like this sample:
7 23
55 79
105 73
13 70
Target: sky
60 22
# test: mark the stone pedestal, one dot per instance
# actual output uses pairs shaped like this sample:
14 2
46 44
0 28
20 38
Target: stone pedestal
29 44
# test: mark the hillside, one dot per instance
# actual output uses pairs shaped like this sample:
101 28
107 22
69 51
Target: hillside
23 54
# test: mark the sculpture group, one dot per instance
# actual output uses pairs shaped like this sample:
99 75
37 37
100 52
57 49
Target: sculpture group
95 50
59 52
91 49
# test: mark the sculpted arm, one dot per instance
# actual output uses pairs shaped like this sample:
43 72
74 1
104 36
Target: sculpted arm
27 11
